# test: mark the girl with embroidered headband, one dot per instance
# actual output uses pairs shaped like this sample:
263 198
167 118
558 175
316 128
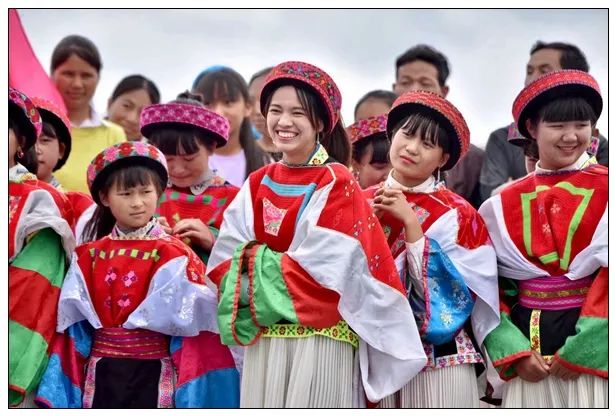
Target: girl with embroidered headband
303 278
193 203
550 235
134 313
370 150
441 248
40 246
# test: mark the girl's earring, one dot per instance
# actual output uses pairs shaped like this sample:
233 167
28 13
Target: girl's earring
438 175
319 138
20 153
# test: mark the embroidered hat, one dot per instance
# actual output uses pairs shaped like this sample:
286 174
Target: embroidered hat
438 108
53 115
557 84
515 137
315 78
121 155
367 127
161 115
25 114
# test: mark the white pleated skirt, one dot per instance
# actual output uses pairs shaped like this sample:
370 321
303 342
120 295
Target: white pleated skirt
315 371
551 392
28 402
449 387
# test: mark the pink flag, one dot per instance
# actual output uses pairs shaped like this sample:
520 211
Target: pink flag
25 71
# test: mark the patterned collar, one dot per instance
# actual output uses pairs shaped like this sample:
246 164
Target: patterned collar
19 173
584 161
151 231
209 177
426 187
318 157
56 184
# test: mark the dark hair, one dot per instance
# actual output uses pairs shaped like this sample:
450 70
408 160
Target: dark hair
429 129
136 82
531 149
428 54
337 142
29 160
225 84
170 138
83 47
388 97
126 177
571 57
565 109
259 74
380 148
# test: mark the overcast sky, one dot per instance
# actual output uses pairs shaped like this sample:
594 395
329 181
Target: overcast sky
487 49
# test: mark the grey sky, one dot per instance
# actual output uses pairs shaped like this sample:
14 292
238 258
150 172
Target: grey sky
487 49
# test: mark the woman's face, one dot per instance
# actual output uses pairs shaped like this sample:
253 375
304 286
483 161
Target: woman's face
289 126
560 143
76 81
126 109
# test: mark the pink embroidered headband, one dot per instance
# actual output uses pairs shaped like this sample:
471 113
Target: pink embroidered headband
158 115
122 155
367 127
26 115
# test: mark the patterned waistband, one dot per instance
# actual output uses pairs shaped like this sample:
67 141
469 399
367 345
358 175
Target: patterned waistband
339 332
138 344
553 293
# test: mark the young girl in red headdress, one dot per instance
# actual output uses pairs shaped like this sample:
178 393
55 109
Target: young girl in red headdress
135 314
40 245
193 202
550 235
370 150
304 278
52 150
441 248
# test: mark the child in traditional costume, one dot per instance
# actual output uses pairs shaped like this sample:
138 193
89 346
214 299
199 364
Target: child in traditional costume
193 203
40 245
53 149
442 249
134 311
305 278
549 231
370 150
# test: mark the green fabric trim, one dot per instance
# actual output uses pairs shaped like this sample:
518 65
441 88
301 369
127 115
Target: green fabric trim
505 341
51 264
575 221
271 297
339 332
27 359
588 347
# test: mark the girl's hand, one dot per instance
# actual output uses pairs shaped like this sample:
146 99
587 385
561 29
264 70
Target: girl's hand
532 368
164 225
195 230
394 201
562 372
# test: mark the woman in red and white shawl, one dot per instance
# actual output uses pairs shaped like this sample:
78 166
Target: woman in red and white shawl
305 277
549 231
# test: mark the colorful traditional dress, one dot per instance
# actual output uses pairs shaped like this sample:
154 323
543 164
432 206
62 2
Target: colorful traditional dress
307 281
206 200
40 245
451 282
138 329
550 235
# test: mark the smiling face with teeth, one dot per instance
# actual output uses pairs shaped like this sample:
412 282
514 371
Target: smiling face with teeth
560 143
289 126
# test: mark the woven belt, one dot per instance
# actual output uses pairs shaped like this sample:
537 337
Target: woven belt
138 344
553 293
339 332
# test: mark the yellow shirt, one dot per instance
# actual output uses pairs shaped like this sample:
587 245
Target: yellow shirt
87 142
